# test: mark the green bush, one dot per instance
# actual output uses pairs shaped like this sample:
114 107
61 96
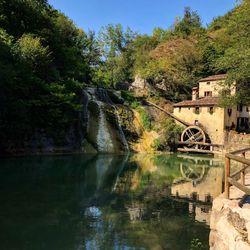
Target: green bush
135 105
157 144
128 96
145 118
196 244
170 134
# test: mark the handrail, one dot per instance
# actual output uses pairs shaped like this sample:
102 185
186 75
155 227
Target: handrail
243 150
229 177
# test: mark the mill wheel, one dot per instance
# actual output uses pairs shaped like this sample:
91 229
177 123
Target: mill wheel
193 134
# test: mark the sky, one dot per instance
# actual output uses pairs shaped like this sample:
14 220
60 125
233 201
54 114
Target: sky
140 15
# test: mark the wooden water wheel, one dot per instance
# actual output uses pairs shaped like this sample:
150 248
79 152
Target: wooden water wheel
193 134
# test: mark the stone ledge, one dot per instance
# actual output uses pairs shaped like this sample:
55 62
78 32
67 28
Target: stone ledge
230 223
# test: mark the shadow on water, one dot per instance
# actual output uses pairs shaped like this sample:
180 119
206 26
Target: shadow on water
107 201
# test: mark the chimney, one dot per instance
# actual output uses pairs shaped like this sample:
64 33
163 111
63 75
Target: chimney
195 93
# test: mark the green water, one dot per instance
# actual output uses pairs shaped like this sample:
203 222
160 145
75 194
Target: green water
106 201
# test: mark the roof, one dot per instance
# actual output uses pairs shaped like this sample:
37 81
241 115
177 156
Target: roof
214 78
204 101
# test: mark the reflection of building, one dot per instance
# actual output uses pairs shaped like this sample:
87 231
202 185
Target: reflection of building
199 193
200 212
203 109
135 212
209 188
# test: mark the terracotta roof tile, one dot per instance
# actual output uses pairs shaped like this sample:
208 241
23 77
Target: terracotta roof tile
214 78
205 101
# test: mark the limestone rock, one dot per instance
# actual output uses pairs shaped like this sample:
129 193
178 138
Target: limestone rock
139 83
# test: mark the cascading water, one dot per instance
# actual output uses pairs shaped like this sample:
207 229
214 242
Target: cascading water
104 139
107 135
123 138
103 96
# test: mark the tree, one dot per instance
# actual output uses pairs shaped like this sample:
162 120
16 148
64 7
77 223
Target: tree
176 64
236 58
115 44
189 24
44 59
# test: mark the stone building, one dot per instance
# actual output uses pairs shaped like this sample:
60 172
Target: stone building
203 109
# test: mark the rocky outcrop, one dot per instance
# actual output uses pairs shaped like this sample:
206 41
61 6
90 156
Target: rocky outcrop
98 127
104 131
104 124
139 83
230 223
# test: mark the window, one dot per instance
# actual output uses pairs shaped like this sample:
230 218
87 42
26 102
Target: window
196 110
179 109
247 108
208 93
208 83
240 108
229 112
211 110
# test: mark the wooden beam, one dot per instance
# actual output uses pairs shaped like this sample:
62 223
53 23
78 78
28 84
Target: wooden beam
238 172
240 151
239 186
238 158
242 174
199 143
227 174
169 114
191 150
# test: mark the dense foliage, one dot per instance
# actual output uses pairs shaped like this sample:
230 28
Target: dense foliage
45 61
177 57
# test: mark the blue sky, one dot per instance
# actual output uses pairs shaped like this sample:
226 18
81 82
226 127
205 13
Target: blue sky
140 15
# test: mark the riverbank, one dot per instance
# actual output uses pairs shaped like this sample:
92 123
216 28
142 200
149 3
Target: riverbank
230 222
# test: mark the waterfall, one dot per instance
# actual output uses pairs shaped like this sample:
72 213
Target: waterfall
104 137
104 140
123 138
103 96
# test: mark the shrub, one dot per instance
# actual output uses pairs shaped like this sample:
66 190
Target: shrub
157 144
145 118
170 134
128 96
196 244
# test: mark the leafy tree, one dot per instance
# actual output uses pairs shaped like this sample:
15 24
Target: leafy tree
116 50
189 24
236 58
43 59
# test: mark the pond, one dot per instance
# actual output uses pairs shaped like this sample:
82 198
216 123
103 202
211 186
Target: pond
107 201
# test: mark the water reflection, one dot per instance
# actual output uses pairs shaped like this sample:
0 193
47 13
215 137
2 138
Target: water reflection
107 201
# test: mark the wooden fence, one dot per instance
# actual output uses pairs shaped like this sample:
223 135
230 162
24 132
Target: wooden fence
238 156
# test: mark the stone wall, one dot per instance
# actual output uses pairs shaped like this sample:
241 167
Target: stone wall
235 141
213 124
215 86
